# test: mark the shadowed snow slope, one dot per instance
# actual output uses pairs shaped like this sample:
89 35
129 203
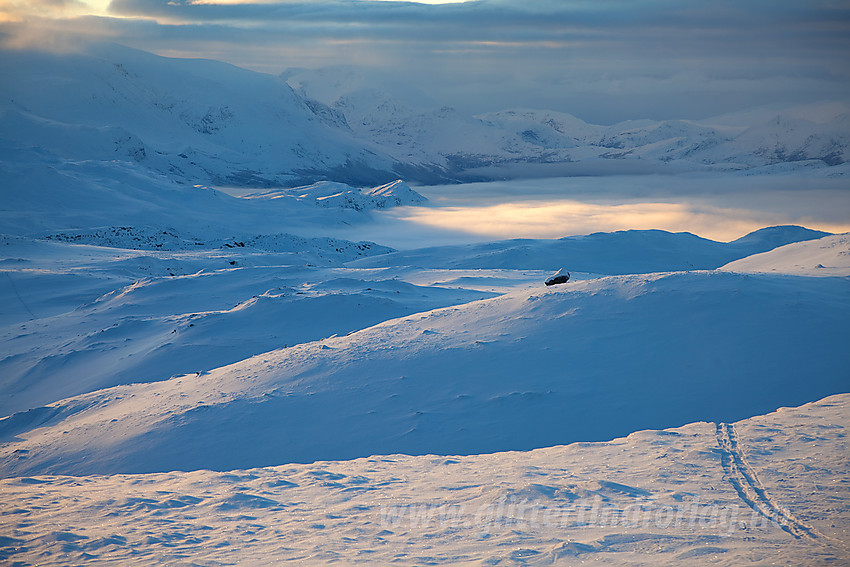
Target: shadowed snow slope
829 256
622 252
590 360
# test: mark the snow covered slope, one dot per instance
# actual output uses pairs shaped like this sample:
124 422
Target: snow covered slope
763 491
407 125
623 252
196 120
766 137
78 318
829 256
590 360
403 122
333 194
785 138
88 309
42 196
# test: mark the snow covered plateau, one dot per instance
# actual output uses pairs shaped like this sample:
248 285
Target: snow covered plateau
215 350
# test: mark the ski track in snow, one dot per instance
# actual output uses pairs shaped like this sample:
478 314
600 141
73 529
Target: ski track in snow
750 489
746 483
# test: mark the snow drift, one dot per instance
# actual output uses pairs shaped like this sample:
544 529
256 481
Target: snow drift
829 256
587 361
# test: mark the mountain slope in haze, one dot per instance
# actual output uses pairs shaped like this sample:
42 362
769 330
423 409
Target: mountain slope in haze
784 138
206 122
397 118
412 128
196 120
586 361
45 196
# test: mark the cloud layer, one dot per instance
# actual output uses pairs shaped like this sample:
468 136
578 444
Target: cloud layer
603 61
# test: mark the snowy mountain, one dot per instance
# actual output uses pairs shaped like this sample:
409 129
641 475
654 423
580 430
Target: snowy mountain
331 194
394 194
206 122
413 129
401 121
194 120
785 138
562 129
122 315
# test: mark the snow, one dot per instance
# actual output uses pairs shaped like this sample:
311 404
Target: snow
209 123
829 256
395 194
80 318
654 497
406 125
198 376
480 377
334 194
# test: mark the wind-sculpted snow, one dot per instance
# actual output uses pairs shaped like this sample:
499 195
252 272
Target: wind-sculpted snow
113 307
829 256
79 318
652 498
587 361
321 250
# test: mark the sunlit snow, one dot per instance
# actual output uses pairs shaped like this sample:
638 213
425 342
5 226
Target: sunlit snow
250 319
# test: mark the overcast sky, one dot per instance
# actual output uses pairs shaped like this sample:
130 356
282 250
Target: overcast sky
602 60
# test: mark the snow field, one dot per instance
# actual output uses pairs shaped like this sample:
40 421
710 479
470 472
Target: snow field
653 497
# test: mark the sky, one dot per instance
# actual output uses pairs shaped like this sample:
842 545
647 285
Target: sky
601 60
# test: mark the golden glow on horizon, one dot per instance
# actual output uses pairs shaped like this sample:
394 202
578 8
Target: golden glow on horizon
554 219
6 17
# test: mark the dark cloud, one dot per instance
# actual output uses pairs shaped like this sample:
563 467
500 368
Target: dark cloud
540 14
602 60
663 29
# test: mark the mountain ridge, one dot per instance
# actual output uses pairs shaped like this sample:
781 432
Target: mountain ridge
243 128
